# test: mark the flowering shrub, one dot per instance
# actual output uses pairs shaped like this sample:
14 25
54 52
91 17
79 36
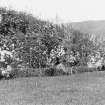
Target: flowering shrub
95 61
57 52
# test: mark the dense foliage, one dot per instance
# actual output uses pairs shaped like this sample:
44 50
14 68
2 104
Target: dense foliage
37 44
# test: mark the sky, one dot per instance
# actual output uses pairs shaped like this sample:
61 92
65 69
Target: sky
60 10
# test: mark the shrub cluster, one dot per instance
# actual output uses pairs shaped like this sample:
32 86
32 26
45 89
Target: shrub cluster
35 42
30 72
83 69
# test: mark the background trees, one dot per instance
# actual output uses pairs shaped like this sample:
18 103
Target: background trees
35 42
31 39
78 42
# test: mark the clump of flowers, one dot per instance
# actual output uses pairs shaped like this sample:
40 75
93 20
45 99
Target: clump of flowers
57 51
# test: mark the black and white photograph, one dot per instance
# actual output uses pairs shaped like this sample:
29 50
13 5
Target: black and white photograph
52 52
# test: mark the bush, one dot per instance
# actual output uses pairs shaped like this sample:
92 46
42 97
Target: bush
1 76
49 72
103 68
28 72
14 73
60 72
71 70
82 69
53 71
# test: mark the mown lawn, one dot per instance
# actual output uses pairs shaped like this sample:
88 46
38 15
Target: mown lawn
78 89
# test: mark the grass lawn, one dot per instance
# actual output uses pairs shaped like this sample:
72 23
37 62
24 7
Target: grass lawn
78 89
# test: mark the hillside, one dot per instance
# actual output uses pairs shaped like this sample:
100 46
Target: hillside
92 27
28 35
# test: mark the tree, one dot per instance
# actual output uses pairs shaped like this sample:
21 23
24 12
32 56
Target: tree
78 42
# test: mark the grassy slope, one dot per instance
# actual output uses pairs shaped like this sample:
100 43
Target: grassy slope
79 89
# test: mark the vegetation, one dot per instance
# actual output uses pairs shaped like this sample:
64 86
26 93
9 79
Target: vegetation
36 44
